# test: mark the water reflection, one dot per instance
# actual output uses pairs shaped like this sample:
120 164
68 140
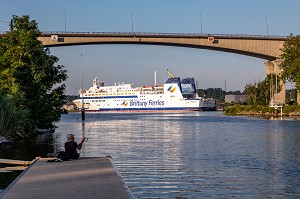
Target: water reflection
197 154
192 155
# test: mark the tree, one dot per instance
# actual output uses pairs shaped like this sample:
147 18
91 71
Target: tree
260 93
291 60
29 75
251 91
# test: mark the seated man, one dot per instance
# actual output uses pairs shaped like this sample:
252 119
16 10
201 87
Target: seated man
71 148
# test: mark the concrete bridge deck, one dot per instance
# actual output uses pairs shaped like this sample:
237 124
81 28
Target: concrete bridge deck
260 46
82 178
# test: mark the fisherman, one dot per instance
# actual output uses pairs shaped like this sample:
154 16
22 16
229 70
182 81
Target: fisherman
71 148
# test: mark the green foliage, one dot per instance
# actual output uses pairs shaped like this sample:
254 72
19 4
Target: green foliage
291 108
233 110
12 119
249 110
260 93
28 73
230 111
291 60
261 110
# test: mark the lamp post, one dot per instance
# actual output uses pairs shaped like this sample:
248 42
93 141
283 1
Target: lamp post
201 22
132 26
65 23
267 26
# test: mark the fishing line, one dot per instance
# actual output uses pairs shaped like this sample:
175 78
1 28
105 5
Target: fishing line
92 124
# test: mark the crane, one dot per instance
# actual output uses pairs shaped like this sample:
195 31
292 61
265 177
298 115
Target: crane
170 73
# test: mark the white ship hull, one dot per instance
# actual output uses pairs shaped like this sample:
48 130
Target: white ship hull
123 97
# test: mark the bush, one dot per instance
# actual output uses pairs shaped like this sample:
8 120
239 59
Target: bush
249 110
12 119
231 110
291 108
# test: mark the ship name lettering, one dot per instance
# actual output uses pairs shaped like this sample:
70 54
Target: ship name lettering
147 103
138 103
156 103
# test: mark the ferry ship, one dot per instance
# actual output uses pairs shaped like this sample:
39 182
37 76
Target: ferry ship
173 95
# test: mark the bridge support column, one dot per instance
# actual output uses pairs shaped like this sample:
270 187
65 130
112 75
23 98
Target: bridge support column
273 67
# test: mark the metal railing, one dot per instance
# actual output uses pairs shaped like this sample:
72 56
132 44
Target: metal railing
62 33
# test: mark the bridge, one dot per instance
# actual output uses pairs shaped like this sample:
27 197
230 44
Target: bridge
259 46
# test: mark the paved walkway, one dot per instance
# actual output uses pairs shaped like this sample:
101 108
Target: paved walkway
82 178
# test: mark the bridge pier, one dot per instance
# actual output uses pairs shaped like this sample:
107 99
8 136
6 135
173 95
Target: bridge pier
273 67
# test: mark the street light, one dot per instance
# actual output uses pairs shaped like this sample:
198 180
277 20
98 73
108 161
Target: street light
267 26
65 23
201 23
132 26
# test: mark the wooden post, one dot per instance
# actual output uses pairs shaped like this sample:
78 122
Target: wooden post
82 114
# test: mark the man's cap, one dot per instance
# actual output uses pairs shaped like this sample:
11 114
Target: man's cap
70 135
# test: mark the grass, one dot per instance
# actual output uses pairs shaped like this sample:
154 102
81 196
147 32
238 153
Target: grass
288 110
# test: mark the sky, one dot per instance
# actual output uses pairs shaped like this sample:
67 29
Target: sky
136 64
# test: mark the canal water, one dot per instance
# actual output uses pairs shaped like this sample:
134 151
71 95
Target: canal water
184 155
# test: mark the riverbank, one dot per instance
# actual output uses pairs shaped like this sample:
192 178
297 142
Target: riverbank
289 111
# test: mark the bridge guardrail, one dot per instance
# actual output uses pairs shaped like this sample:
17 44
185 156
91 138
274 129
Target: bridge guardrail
169 34
161 34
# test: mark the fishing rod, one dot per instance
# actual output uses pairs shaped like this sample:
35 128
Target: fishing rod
91 125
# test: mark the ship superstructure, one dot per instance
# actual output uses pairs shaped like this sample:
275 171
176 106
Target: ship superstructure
173 95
